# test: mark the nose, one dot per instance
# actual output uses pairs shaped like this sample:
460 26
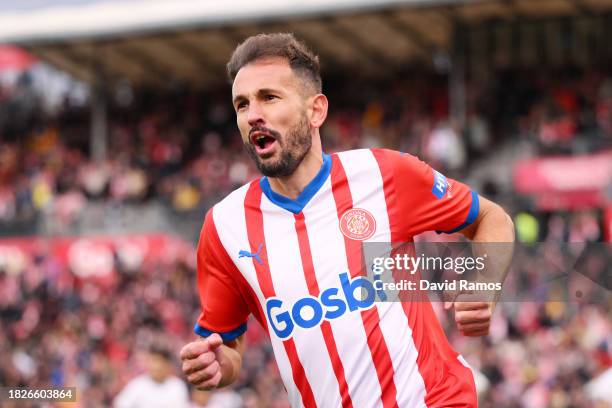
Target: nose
255 115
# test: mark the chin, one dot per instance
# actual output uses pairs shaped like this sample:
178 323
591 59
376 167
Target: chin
269 162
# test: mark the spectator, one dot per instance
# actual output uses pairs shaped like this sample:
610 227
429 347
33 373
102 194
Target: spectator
157 388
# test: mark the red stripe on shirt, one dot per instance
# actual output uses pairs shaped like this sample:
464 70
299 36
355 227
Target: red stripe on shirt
246 290
313 289
435 357
371 321
255 232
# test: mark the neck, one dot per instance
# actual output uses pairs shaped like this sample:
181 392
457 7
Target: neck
293 185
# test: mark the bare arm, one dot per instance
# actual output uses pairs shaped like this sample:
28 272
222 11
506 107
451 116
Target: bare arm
492 225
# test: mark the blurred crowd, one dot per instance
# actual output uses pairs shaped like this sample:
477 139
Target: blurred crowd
183 148
59 329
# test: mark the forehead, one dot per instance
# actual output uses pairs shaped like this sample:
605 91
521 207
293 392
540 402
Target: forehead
157 358
270 73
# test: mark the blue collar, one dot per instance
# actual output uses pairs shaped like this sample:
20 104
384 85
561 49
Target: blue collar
296 206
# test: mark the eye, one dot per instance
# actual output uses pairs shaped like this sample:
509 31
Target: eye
241 105
270 97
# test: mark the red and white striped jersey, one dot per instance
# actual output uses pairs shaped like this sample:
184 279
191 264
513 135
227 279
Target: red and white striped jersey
294 264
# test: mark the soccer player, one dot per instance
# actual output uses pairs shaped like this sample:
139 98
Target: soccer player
287 248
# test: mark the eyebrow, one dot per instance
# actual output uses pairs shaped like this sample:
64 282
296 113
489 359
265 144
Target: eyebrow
238 98
260 92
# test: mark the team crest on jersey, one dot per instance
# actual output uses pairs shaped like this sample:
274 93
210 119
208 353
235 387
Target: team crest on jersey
357 224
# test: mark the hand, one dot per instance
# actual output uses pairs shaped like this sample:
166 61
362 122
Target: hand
201 362
472 318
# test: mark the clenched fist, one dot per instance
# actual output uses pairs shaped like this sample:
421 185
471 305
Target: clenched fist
201 362
472 318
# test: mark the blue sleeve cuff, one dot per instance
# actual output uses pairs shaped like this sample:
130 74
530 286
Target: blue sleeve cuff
472 214
225 336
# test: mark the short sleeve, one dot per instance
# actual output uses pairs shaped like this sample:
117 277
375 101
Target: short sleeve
223 308
429 200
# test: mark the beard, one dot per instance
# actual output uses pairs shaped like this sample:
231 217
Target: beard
294 146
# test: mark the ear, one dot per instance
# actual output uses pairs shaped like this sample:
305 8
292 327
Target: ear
318 110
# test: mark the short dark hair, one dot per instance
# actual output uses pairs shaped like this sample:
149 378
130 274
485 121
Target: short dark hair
284 45
161 351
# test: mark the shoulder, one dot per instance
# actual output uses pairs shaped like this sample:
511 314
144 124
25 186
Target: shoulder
363 158
225 220
138 382
354 154
401 162
377 153
176 383
383 160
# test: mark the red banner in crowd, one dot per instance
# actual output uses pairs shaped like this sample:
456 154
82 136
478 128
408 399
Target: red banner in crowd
566 182
14 58
93 257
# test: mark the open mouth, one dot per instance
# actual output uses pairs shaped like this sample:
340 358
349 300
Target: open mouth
263 142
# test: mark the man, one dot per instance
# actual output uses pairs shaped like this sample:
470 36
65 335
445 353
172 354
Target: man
156 388
287 246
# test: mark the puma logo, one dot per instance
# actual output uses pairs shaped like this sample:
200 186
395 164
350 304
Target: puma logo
247 254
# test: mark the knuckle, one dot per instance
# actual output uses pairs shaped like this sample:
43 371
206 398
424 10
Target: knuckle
214 367
197 377
192 378
192 367
210 384
206 358
479 319
188 350
209 371
463 319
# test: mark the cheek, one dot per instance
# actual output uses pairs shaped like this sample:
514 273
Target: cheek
285 118
245 136
244 129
